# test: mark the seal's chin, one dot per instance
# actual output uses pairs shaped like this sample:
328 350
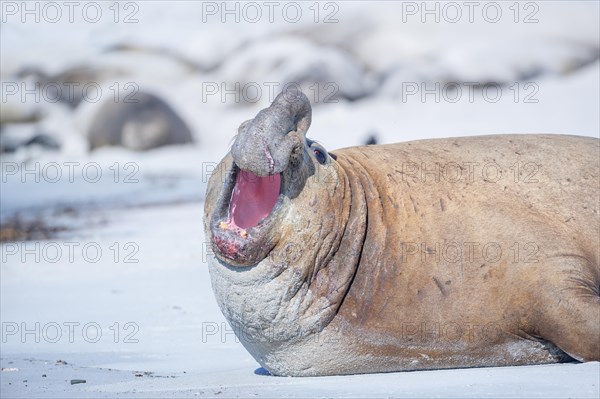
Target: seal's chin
242 226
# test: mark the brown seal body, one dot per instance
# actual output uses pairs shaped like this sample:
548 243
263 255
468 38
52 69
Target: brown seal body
461 252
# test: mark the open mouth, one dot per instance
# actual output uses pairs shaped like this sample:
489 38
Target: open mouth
253 198
246 212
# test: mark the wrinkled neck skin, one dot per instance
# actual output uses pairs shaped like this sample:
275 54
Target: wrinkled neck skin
293 294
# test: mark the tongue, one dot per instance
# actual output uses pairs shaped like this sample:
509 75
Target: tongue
253 198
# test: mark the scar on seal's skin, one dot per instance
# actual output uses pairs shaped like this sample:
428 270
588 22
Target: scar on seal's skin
440 286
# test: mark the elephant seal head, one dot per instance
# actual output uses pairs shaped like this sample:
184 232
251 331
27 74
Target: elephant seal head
284 228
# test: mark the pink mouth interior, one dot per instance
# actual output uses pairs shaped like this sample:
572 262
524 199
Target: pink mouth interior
253 198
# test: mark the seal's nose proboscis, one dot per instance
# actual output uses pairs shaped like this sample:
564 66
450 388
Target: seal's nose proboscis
347 263
264 144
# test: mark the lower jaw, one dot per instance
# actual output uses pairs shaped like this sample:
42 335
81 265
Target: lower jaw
240 247
237 251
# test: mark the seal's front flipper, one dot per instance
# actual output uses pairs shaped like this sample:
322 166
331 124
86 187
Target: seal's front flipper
571 317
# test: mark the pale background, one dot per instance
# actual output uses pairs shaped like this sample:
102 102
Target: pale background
180 51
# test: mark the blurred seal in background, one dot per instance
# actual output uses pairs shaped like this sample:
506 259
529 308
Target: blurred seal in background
139 122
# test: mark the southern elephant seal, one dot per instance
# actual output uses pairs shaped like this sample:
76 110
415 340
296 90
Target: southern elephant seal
140 122
445 253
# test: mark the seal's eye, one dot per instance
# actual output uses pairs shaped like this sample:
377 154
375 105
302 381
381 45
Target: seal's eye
320 155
